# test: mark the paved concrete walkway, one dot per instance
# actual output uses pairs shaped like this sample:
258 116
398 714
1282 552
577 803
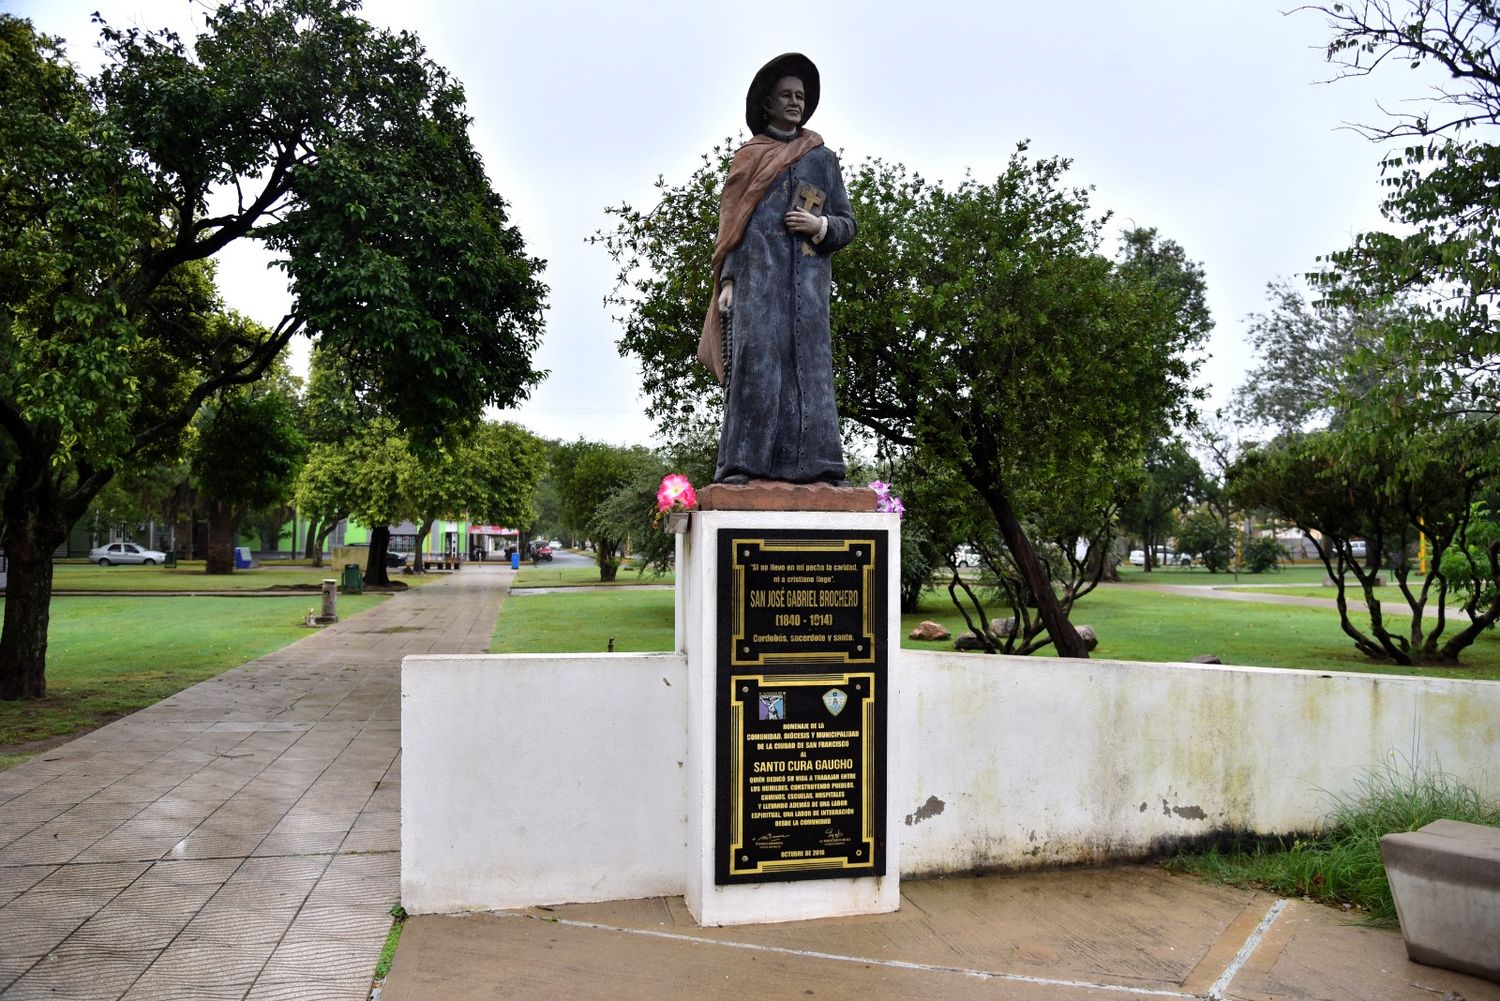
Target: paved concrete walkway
1127 932
237 840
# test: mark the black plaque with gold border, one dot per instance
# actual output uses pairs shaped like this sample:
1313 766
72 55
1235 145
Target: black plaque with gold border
801 695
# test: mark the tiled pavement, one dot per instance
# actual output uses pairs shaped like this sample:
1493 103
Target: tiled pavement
239 840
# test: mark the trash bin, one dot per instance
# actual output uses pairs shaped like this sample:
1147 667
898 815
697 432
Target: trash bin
353 581
515 560
171 560
242 559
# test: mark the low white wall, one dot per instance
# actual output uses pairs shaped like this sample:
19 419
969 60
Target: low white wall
543 779
530 779
1022 761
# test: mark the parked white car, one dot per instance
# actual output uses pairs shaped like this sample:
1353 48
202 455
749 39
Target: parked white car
1164 558
126 552
965 556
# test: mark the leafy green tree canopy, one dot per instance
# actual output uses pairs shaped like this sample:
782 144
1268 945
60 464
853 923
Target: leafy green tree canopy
1203 536
1387 491
1314 357
338 145
1172 480
590 474
1441 186
246 455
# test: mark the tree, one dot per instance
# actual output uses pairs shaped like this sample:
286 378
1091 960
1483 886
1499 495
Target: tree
1441 196
1263 553
631 511
980 324
246 456
332 414
1172 479
324 490
1216 447
292 122
1468 566
383 465
1313 355
589 474
1203 535
489 476
509 463
1070 536
1010 345
1339 486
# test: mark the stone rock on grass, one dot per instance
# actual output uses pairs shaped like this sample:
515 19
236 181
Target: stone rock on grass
969 641
930 630
1089 637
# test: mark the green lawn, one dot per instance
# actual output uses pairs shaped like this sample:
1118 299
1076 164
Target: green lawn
1148 625
1301 573
190 577
639 619
1132 625
547 575
109 656
1352 593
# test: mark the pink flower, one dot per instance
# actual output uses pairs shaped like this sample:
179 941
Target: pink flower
888 504
675 491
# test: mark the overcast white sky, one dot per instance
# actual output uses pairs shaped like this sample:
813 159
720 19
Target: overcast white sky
1207 120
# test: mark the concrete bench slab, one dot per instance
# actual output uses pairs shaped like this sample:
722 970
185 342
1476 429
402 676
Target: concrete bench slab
1446 881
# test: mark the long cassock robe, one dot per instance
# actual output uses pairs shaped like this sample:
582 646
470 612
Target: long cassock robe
780 422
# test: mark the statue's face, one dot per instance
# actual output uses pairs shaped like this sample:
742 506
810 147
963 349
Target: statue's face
785 103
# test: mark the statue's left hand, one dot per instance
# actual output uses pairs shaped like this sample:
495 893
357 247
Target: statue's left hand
804 223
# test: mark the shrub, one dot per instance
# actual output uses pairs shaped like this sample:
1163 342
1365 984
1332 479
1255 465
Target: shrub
1205 536
1263 553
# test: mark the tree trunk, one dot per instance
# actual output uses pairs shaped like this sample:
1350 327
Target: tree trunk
419 565
1065 638
223 525
323 535
35 525
173 510
609 562
380 542
1097 564
192 534
314 538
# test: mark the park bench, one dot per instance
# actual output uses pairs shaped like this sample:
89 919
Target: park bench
1446 881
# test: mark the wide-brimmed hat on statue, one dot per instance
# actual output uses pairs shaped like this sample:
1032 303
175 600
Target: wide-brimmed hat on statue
788 64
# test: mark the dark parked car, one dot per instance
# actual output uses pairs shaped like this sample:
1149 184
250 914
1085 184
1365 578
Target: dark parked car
394 559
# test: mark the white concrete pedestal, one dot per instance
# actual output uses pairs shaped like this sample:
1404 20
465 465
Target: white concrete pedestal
699 592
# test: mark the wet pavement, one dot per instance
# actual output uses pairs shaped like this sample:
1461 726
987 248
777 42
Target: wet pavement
238 840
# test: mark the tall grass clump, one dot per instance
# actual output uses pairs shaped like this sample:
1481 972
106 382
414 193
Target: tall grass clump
1340 863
